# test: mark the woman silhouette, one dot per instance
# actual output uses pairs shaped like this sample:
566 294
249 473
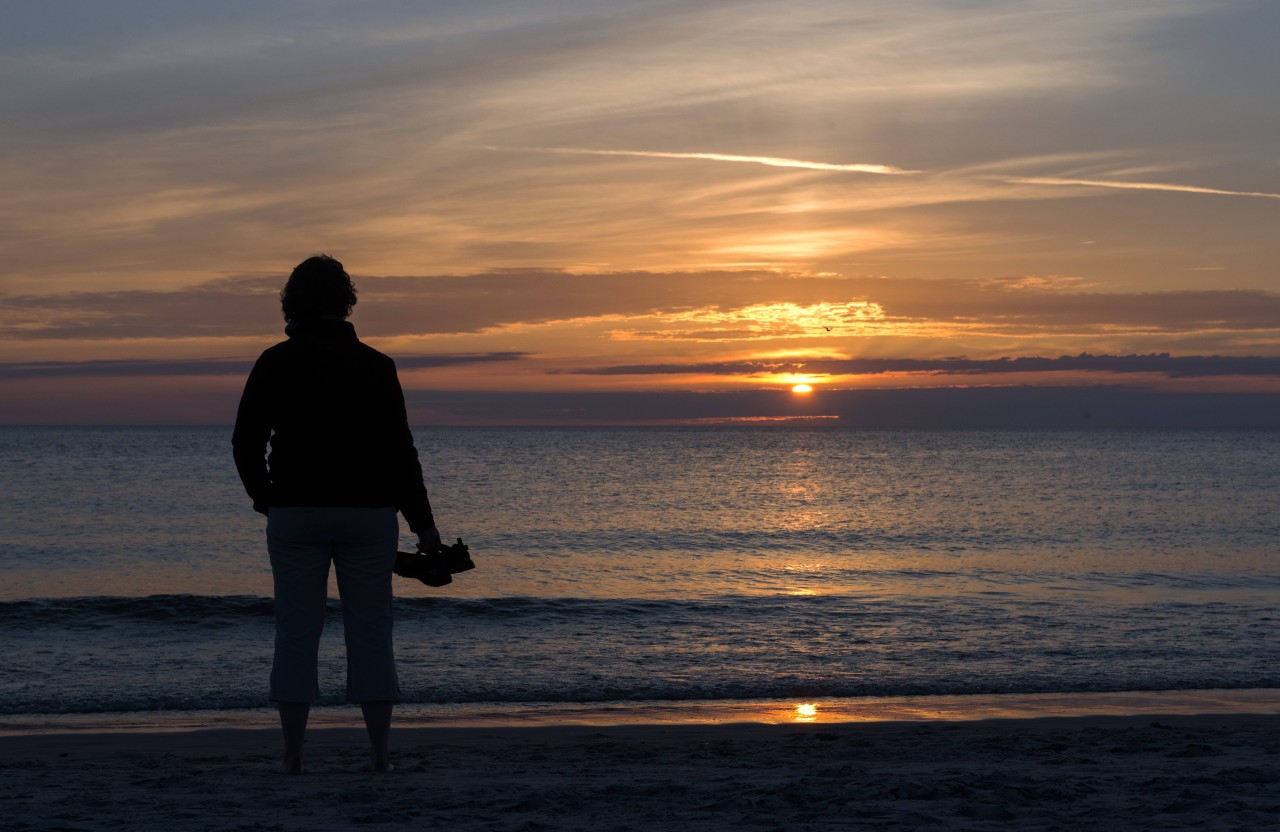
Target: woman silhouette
342 462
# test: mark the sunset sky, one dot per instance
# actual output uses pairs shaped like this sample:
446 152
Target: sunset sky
544 204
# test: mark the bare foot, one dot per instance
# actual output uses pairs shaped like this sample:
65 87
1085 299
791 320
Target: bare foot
380 763
290 765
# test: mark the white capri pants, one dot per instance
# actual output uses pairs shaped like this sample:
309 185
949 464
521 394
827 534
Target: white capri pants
361 542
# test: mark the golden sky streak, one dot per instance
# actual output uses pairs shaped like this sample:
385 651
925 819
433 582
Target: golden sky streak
1135 186
770 161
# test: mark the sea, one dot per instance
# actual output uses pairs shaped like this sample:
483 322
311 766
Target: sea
625 567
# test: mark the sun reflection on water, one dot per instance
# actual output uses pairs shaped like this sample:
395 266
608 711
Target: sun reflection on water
806 712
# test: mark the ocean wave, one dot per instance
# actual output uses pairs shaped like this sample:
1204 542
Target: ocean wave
225 611
158 608
215 610
196 652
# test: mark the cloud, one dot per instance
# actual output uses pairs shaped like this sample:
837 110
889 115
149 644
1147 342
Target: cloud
719 305
1135 186
888 170
145 401
768 161
1181 366
141 368
974 407
156 145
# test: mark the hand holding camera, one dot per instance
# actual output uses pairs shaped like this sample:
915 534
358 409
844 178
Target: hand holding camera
434 565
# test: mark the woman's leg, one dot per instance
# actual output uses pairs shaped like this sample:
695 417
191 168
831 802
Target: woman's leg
377 721
300 549
293 724
363 557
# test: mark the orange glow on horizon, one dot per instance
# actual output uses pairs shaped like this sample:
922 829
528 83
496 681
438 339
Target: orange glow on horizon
802 389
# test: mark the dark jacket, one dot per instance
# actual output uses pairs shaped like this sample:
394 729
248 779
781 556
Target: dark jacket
333 411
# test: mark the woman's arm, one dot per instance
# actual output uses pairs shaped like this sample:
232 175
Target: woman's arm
411 492
249 440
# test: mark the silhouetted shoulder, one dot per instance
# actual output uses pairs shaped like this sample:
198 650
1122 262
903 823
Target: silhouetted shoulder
374 354
379 361
275 350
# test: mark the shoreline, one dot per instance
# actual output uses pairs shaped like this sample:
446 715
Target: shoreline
1219 771
836 710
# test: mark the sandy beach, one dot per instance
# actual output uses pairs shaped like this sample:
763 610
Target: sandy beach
1108 772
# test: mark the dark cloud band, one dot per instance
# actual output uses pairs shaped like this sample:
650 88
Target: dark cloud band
934 408
212 367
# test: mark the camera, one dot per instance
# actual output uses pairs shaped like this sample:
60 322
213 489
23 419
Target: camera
435 568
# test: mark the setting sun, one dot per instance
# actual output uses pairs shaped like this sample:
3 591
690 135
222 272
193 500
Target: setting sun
802 388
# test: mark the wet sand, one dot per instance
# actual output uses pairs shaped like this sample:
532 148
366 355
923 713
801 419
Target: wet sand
1217 771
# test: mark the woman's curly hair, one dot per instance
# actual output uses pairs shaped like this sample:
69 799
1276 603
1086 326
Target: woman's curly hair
319 287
